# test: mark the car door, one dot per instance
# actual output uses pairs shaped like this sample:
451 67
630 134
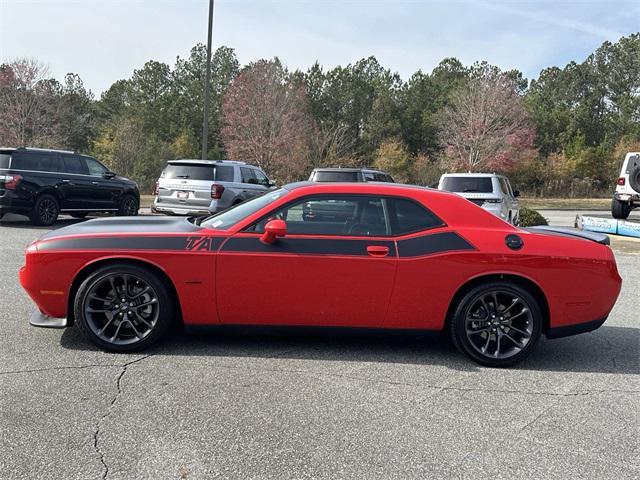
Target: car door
76 184
336 272
250 186
106 192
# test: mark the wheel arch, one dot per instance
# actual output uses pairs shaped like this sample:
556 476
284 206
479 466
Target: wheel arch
528 284
94 265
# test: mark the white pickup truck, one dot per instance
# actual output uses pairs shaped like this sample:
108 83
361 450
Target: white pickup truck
627 194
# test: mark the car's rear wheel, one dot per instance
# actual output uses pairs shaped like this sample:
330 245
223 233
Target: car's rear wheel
497 324
45 211
620 210
128 206
123 308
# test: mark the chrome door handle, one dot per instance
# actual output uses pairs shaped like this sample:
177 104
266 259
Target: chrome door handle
66 180
94 183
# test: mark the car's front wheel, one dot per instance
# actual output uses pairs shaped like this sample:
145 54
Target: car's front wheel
128 206
620 210
123 308
497 324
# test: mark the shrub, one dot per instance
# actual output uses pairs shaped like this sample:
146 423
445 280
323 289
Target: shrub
531 218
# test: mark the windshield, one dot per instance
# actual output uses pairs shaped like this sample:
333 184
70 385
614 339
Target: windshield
331 176
467 184
231 216
221 173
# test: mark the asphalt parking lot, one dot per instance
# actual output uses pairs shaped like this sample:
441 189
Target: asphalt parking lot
266 406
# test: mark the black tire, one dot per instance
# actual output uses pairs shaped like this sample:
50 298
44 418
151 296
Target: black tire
45 211
460 326
78 214
634 179
620 210
91 322
128 206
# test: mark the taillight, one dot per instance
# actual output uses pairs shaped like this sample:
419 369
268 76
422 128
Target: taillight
156 189
11 182
622 181
216 191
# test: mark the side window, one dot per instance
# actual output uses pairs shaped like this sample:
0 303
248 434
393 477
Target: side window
503 186
352 215
408 216
95 168
369 177
224 173
247 175
261 178
381 177
40 162
75 165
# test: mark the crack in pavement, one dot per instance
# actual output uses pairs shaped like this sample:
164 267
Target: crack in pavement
65 367
96 432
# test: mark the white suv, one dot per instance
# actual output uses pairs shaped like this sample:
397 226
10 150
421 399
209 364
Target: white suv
627 195
490 191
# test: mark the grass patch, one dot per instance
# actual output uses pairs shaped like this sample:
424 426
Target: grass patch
566 203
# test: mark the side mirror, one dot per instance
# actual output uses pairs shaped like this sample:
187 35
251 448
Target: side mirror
108 175
272 230
516 193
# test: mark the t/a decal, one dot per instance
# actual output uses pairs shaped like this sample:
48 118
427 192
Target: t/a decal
197 244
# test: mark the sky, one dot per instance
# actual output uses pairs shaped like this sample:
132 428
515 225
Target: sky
104 41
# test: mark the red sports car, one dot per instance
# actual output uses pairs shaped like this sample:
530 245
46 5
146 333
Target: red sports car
341 255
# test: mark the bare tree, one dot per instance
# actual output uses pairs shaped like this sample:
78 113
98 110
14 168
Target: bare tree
28 111
267 121
485 126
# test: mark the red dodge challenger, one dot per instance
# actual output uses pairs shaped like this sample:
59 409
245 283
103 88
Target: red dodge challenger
340 255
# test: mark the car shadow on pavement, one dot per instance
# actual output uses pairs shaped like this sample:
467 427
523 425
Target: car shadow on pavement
610 349
17 221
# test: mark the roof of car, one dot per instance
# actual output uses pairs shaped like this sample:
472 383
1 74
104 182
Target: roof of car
468 174
203 162
355 185
349 169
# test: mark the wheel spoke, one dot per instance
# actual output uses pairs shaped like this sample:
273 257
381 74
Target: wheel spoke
515 342
514 302
522 312
142 292
480 330
93 296
142 319
521 332
486 345
98 310
104 327
495 302
135 330
497 352
115 335
150 302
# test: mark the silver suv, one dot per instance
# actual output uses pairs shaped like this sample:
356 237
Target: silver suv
203 187
490 191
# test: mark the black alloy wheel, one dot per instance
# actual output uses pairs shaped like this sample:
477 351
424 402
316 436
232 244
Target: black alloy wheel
497 324
123 308
45 211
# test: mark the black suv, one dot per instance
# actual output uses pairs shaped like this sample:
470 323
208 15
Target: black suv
349 175
42 183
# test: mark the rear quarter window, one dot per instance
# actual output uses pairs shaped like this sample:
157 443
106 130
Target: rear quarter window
31 161
224 173
4 160
408 216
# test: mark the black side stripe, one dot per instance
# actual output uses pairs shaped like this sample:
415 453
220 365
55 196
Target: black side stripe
311 246
432 244
180 243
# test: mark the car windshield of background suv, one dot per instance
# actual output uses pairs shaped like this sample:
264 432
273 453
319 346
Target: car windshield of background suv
467 184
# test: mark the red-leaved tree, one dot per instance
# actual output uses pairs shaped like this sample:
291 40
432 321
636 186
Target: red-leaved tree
267 122
485 126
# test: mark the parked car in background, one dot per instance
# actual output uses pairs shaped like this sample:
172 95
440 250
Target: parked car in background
627 194
42 183
490 191
349 175
203 187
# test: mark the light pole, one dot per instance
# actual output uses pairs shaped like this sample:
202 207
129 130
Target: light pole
207 86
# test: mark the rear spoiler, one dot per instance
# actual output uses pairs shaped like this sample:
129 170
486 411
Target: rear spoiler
570 232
